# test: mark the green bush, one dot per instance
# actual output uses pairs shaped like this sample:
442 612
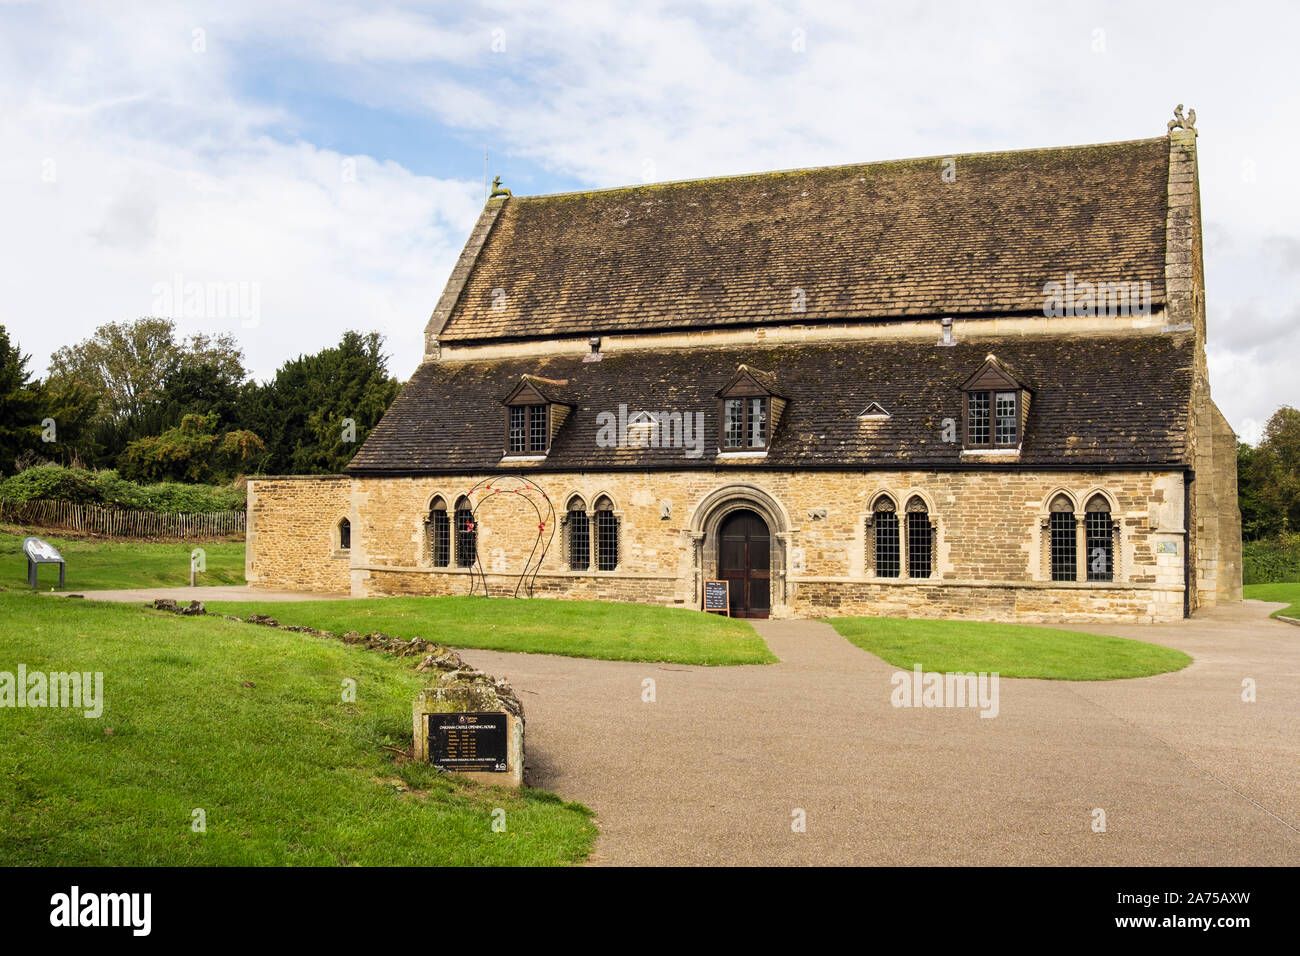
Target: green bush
54 482
170 496
50 482
117 491
1271 560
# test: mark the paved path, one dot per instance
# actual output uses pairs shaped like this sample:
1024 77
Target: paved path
711 772
234 592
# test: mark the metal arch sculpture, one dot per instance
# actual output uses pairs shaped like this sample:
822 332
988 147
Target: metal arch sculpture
529 491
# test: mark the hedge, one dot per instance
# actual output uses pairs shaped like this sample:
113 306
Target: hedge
1271 560
56 483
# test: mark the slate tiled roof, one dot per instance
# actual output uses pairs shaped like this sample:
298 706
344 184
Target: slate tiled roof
1114 400
876 241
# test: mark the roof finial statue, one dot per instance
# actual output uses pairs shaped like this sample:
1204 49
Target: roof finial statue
499 190
1181 122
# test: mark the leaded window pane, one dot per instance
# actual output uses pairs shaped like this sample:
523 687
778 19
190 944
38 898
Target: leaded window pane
757 422
977 417
440 534
1065 546
579 541
606 540
734 423
1100 546
1005 424
887 564
537 428
466 538
517 419
919 544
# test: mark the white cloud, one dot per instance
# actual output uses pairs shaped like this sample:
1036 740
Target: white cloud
110 191
164 164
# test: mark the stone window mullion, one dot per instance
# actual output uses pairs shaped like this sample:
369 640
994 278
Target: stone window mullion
904 545
869 544
1081 548
1045 548
1115 551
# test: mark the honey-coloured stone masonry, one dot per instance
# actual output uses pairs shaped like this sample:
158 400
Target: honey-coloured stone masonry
989 552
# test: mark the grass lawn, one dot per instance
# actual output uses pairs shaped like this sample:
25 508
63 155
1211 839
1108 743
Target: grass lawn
615 632
1289 593
96 564
248 724
1012 650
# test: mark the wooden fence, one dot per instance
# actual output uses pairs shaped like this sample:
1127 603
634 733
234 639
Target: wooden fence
122 522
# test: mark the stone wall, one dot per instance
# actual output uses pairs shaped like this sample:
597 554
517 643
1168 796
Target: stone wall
1214 526
990 553
292 533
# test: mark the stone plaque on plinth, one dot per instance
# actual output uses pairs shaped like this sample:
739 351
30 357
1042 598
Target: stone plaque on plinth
457 729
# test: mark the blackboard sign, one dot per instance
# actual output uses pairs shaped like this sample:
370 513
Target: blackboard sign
717 597
42 552
468 742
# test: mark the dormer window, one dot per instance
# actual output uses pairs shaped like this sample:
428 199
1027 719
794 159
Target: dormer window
995 408
992 419
745 424
533 414
748 413
528 430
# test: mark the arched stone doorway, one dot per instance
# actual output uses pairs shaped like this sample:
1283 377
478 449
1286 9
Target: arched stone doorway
705 533
745 562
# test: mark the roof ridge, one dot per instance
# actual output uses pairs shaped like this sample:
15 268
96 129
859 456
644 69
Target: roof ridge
827 168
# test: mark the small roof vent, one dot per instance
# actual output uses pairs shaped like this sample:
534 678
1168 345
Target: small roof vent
873 412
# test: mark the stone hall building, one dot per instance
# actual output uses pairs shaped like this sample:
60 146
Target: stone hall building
971 386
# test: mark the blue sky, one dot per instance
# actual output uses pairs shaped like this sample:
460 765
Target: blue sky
327 158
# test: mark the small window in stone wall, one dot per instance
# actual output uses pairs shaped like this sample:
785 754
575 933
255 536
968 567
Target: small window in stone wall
607 536
466 534
345 534
439 531
578 535
920 540
885 520
1099 536
1064 540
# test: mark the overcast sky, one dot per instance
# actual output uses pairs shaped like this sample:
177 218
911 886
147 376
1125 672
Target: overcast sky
327 158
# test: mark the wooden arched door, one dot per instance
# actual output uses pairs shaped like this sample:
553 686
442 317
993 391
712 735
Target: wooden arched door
745 560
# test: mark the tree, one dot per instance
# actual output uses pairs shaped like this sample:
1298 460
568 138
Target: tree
319 408
1268 478
191 451
73 406
145 381
20 404
1277 469
125 362
139 367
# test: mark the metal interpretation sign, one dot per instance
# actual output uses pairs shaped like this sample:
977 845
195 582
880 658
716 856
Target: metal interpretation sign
41 552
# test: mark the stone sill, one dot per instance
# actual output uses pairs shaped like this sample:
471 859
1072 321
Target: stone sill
464 572
991 452
953 583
